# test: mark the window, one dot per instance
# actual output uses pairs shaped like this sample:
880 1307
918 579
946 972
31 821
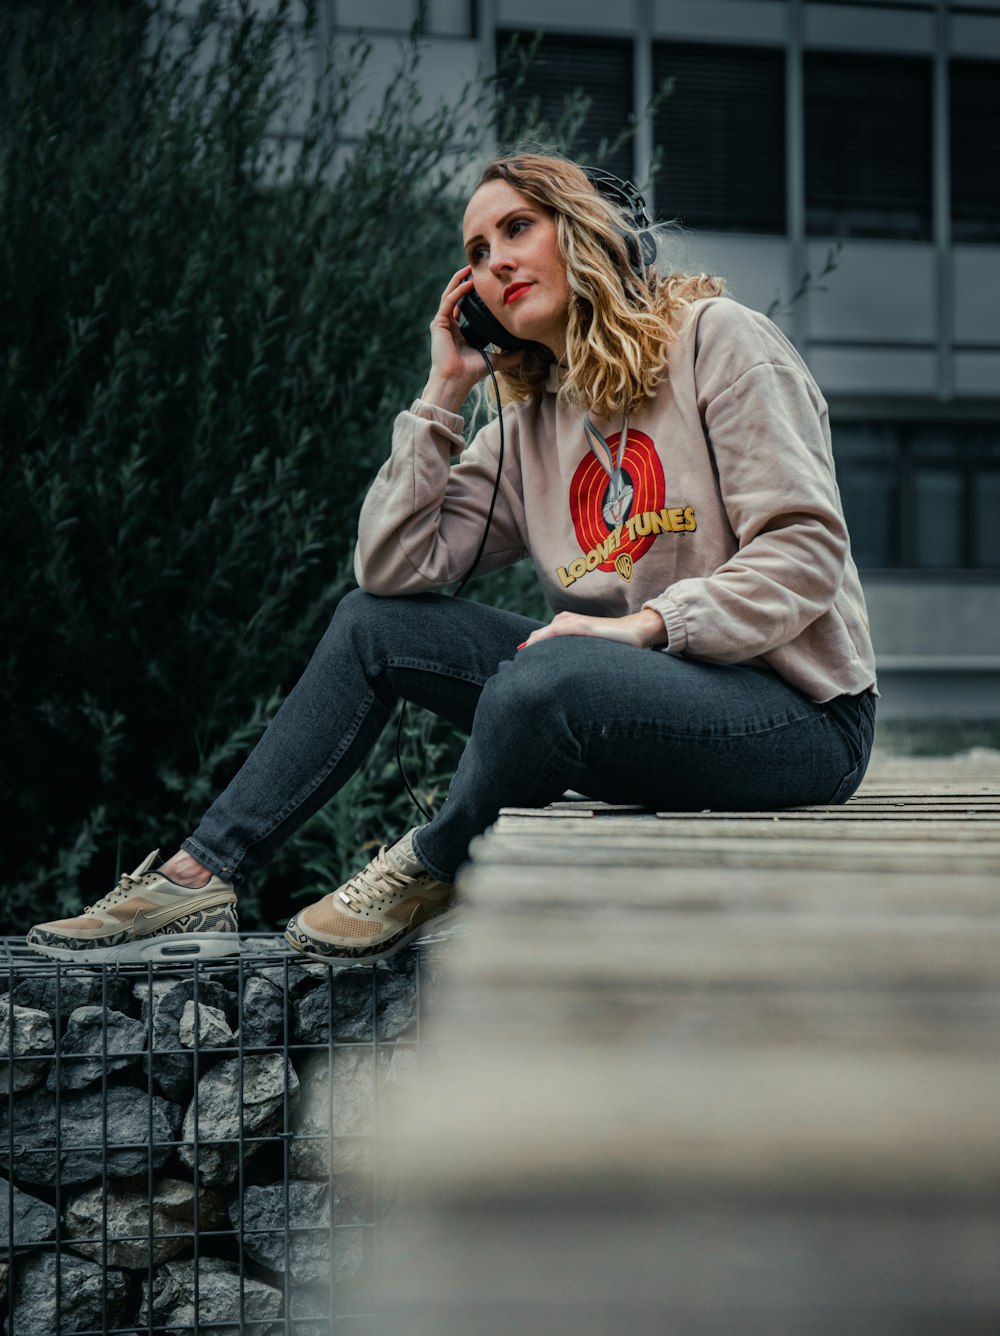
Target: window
868 145
921 496
721 135
975 150
599 67
868 473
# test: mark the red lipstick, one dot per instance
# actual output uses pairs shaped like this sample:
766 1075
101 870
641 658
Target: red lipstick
513 291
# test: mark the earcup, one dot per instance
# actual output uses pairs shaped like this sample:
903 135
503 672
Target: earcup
481 328
641 245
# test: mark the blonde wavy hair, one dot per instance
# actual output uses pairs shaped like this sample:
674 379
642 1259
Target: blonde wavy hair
621 324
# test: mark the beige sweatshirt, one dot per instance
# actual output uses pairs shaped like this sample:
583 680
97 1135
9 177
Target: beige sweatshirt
725 516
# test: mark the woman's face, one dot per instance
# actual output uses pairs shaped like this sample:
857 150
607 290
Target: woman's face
512 245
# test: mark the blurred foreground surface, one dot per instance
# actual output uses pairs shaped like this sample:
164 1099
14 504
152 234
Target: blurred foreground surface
716 1073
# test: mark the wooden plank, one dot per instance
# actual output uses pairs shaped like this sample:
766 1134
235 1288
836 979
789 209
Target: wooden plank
636 852
855 812
777 826
971 786
852 813
655 827
713 891
819 856
985 802
612 949
787 1124
751 825
869 1016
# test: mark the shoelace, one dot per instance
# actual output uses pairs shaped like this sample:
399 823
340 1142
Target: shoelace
362 891
121 892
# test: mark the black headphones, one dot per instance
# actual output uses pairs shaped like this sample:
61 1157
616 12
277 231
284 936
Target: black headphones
481 328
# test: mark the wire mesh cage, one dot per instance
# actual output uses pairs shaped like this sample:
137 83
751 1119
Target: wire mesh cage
196 1148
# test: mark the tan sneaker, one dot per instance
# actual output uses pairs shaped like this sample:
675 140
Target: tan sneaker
376 912
146 917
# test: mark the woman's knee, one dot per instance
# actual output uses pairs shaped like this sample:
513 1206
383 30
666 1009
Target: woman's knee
378 630
352 637
356 608
364 618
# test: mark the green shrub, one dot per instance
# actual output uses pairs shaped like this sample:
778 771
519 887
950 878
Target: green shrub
210 316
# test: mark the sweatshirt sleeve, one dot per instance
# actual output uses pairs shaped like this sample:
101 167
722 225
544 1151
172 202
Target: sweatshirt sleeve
769 440
423 518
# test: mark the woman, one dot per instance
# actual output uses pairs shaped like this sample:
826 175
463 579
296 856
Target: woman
710 646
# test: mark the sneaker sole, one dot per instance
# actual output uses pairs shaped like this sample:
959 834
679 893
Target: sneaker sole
176 948
368 956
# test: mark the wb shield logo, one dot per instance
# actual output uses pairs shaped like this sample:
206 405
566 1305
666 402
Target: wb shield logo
624 566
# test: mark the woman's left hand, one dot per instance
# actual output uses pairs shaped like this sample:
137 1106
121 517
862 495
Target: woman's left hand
641 629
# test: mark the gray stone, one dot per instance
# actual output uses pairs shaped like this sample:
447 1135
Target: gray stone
225 1305
294 979
173 1065
127 1209
310 1308
340 1121
260 1085
345 1144
71 986
138 1128
311 1018
263 1013
367 1002
88 1296
34 1220
29 1039
294 1230
213 1030
89 1033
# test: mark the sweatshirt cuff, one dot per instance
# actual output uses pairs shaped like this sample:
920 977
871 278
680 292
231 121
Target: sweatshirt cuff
454 422
673 620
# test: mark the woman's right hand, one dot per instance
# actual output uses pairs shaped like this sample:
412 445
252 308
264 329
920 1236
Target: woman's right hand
455 365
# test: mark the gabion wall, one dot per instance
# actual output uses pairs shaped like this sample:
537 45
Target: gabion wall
196 1148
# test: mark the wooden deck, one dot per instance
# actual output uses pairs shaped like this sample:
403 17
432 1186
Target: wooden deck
717 1073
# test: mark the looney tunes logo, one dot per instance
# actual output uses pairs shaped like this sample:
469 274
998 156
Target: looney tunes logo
619 507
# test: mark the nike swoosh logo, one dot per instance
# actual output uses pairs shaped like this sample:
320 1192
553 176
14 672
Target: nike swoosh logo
427 909
149 920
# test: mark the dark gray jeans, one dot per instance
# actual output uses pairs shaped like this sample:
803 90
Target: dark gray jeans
623 724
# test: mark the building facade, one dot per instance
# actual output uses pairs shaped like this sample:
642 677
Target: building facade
854 142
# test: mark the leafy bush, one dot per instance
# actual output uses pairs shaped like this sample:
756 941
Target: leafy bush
210 316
